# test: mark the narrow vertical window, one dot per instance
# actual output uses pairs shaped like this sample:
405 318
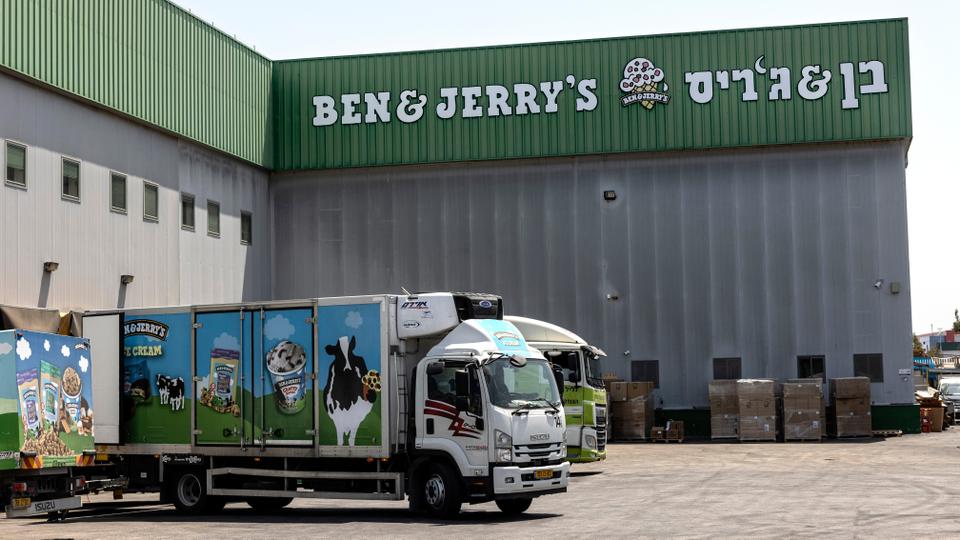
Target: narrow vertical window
151 202
188 218
213 219
16 164
118 193
246 228
71 180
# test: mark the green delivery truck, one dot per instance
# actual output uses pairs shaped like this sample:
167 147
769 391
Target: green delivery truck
584 397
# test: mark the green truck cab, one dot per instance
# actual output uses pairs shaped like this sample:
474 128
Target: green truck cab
584 397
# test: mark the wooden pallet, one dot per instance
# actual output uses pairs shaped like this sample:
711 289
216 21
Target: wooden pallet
818 439
668 440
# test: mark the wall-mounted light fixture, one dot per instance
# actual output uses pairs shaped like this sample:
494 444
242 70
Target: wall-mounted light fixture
50 266
609 195
126 279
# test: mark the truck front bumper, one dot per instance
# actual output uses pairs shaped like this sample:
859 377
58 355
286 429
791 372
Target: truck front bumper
515 480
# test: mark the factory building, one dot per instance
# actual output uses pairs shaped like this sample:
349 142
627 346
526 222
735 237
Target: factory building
704 205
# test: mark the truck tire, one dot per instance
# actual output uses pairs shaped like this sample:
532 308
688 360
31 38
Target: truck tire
514 506
268 504
438 492
190 494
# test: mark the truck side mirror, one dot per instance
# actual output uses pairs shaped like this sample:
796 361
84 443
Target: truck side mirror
558 375
435 368
573 377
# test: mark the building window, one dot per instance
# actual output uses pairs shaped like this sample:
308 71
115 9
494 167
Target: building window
868 365
188 218
246 228
645 371
213 219
151 202
118 193
71 180
726 368
16 164
811 367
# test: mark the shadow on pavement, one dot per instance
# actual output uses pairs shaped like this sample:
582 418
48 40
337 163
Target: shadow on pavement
134 513
577 474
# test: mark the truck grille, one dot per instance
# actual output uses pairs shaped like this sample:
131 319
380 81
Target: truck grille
536 452
601 413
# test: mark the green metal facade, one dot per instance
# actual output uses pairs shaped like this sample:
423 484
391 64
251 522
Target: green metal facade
725 121
147 59
157 63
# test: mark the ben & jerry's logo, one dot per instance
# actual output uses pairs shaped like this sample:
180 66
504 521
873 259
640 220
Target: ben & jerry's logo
643 83
144 327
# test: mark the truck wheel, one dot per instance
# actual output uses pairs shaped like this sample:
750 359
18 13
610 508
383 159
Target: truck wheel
190 495
439 491
268 504
514 506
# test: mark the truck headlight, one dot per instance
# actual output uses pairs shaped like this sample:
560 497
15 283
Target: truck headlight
503 440
591 441
504 455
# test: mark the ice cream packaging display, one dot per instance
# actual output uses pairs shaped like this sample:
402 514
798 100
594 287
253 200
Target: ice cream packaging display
286 363
45 390
221 393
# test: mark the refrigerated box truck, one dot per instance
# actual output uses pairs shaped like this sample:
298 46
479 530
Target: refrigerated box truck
431 396
47 456
584 396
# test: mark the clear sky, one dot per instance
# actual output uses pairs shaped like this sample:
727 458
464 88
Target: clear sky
304 28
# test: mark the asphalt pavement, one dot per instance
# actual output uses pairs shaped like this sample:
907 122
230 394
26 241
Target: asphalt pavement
897 487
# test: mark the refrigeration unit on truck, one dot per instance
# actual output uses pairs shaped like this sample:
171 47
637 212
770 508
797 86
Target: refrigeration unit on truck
431 396
584 397
47 457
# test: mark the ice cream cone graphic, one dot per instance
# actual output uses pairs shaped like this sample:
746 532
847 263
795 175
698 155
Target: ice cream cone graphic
641 78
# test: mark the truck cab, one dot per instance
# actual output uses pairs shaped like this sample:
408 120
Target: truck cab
584 397
489 411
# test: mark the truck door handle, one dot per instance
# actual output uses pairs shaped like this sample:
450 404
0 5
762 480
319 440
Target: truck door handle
429 426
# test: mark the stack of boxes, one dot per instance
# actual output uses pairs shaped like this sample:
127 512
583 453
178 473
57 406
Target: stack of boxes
803 418
850 407
631 410
758 409
724 409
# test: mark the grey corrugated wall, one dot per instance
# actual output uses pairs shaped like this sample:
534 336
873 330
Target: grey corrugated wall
93 245
764 254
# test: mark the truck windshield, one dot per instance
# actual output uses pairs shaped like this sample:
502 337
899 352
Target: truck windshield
950 389
594 376
511 386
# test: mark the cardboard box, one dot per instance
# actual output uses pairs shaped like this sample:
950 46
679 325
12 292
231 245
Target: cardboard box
849 412
617 391
639 389
849 387
632 417
823 403
724 409
802 404
757 409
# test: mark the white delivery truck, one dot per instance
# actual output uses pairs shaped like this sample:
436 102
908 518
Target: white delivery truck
584 396
431 396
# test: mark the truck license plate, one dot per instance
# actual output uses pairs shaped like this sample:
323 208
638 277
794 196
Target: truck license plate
21 502
545 474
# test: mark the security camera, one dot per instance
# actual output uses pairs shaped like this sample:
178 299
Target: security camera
878 284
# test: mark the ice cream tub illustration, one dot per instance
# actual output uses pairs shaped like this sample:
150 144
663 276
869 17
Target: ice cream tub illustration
71 386
286 363
28 386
